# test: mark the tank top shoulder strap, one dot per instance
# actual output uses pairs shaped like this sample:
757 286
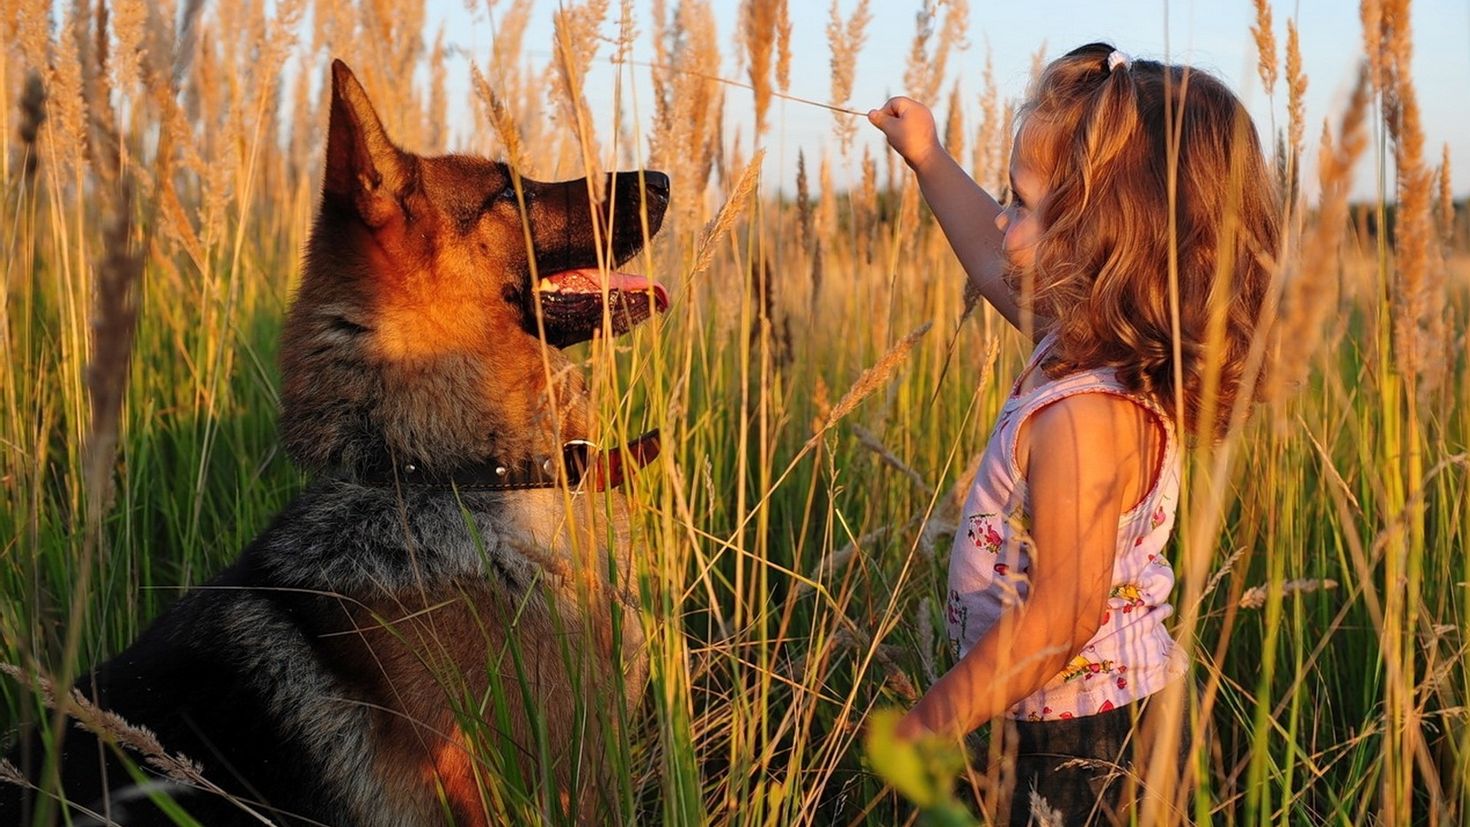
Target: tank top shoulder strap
1096 380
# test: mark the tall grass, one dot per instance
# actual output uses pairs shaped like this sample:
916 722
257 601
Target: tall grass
795 532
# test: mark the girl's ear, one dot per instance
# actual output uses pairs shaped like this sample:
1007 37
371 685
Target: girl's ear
363 167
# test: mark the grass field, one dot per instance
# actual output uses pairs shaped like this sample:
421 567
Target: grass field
819 398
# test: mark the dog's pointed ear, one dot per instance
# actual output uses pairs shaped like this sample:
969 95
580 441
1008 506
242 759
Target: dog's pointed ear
364 168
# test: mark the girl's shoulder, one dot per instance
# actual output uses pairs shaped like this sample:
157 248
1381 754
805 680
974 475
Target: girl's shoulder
1098 440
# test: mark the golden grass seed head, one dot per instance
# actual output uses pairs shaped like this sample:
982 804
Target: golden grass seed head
1265 37
1296 90
758 31
783 46
1446 198
845 38
1305 301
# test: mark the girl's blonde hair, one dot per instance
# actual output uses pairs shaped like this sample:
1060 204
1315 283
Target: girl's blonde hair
1097 129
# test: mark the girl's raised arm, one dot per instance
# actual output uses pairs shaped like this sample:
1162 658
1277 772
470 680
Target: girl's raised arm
966 212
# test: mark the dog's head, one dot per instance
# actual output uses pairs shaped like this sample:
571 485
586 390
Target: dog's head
432 290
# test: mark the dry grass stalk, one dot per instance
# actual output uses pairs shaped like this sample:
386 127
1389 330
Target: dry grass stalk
113 321
501 120
783 46
1042 814
1371 14
865 208
1419 295
1296 90
304 127
1221 573
66 110
804 235
687 105
821 404
518 96
870 440
734 206
627 34
1446 199
823 219
885 654
1304 303
111 727
758 21
826 199
951 39
32 115
1255 596
954 123
32 21
438 106
1265 36
846 40
839 559
875 377
129 28
1007 129
575 34
10 774
916 72
908 216
932 524
924 628
988 136
1038 63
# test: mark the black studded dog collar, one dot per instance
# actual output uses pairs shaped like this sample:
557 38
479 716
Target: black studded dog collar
580 462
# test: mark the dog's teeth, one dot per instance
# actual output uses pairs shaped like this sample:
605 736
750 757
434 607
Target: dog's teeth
548 286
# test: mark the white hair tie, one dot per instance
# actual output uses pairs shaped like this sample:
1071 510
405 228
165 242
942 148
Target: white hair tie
1119 58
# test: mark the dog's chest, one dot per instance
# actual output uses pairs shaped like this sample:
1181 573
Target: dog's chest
448 674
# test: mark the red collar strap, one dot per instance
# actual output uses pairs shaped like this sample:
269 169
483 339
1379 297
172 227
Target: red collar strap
580 459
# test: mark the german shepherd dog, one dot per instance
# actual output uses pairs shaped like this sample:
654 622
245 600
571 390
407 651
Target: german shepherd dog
446 581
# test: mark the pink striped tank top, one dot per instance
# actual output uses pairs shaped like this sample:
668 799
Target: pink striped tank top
1131 655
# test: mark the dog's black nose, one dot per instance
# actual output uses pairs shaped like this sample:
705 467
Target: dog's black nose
656 181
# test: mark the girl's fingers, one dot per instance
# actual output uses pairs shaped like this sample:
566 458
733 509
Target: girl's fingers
898 106
892 108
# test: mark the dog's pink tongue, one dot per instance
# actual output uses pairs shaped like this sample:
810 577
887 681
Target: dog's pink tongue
591 279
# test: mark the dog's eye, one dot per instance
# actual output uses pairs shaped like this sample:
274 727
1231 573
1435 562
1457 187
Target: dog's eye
504 195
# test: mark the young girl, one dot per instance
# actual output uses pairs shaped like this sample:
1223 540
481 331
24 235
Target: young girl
1124 173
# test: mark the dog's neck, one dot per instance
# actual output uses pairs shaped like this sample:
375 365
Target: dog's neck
578 462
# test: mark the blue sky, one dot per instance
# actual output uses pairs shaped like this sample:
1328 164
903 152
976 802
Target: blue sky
1212 35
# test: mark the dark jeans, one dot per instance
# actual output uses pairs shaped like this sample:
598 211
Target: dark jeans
1108 752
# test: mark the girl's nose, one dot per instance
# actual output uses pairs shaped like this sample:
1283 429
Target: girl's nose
1003 220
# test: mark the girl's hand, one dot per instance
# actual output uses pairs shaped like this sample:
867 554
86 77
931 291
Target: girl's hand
909 729
909 127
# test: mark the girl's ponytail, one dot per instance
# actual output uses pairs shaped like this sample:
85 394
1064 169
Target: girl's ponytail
1111 125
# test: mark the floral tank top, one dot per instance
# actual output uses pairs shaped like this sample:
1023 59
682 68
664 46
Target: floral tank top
1131 655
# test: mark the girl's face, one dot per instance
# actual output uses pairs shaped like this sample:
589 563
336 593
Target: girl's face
1020 221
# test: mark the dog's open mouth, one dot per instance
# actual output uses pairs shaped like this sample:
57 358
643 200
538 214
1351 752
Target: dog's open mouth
572 303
